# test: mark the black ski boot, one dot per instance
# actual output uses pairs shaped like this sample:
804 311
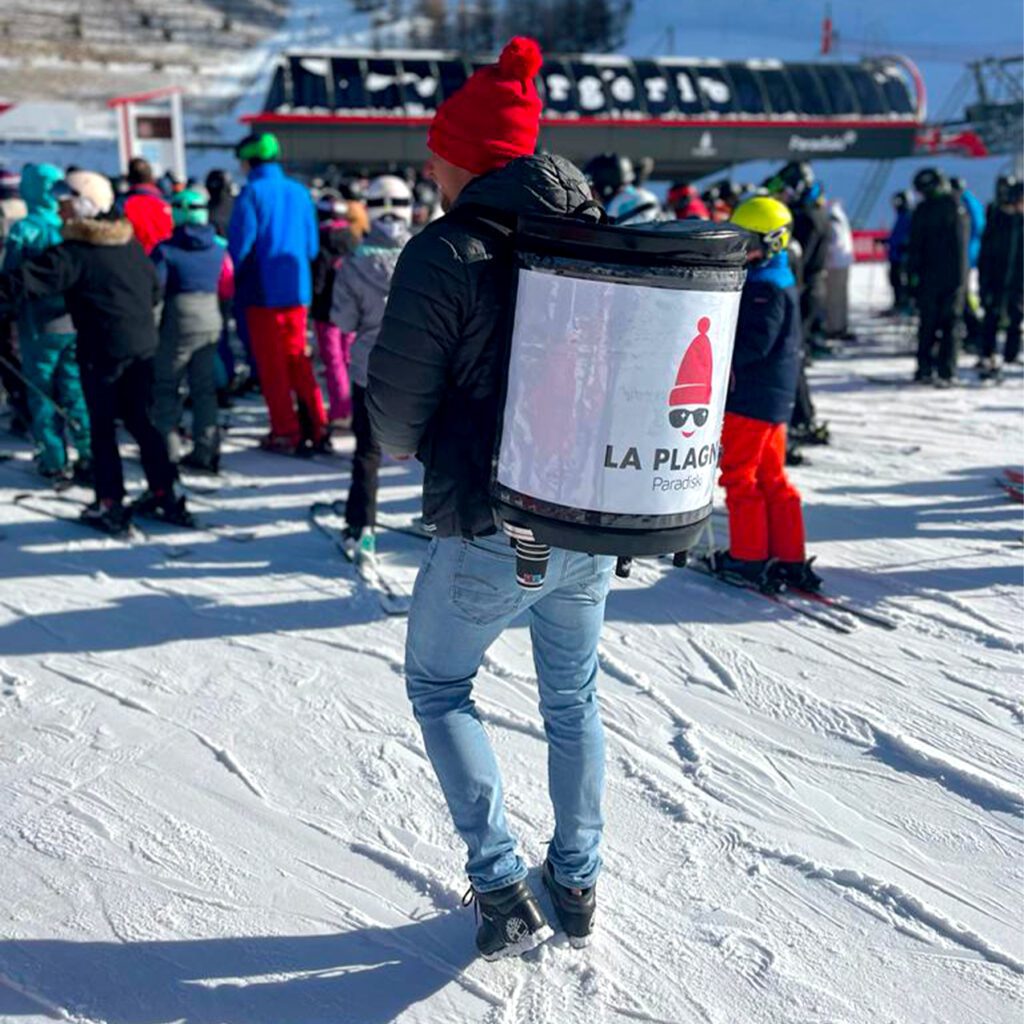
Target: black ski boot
167 507
798 575
82 473
511 921
197 464
811 434
754 573
109 517
60 479
989 369
573 907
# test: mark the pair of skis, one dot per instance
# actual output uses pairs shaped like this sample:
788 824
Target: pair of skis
36 501
839 614
834 613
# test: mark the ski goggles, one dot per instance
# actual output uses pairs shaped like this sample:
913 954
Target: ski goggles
775 241
387 203
678 417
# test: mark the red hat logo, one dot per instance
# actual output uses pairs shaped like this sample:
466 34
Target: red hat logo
692 393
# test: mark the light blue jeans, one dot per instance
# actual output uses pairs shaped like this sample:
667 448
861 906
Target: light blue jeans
466 594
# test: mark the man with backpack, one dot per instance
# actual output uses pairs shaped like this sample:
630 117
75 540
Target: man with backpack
436 379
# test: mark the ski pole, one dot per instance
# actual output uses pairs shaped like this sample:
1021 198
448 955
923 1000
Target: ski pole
74 424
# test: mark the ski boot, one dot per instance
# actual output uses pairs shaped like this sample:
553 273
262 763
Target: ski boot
360 545
755 573
107 516
574 908
60 479
812 433
924 378
989 369
282 445
511 921
82 473
798 575
197 464
165 507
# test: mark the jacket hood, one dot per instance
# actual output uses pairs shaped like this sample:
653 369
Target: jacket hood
543 184
375 260
37 181
99 232
194 236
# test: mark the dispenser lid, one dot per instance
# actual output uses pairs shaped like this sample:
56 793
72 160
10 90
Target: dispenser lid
686 243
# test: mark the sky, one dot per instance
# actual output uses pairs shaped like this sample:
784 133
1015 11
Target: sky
939 37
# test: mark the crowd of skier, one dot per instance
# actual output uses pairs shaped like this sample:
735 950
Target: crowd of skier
234 294
120 297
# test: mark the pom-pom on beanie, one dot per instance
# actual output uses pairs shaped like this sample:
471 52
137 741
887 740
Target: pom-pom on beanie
495 116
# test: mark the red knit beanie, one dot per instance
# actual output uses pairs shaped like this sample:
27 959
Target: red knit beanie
495 116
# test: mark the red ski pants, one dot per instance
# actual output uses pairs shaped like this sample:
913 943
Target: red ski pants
278 337
765 515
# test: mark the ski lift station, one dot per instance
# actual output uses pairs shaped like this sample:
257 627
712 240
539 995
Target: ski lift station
369 109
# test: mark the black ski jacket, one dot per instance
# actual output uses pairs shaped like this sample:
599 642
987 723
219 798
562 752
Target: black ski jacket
1001 260
109 284
437 369
937 250
811 228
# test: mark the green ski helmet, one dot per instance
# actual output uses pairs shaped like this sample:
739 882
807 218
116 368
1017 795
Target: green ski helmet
190 207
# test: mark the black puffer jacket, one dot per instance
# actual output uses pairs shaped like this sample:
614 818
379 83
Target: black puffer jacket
937 251
437 369
109 284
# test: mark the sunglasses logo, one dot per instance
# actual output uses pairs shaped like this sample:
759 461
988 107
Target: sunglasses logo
690 397
678 417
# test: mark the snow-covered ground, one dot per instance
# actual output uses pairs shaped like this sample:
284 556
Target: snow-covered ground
215 807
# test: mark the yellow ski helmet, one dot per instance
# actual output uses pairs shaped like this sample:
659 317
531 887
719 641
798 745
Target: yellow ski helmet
767 218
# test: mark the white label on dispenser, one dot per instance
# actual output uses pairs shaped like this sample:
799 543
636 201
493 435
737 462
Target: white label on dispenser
616 394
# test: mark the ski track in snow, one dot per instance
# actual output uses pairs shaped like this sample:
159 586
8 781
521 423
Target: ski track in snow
212 783
894 898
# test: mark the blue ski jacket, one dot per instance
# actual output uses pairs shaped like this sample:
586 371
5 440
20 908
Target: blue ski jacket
766 358
976 216
272 239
